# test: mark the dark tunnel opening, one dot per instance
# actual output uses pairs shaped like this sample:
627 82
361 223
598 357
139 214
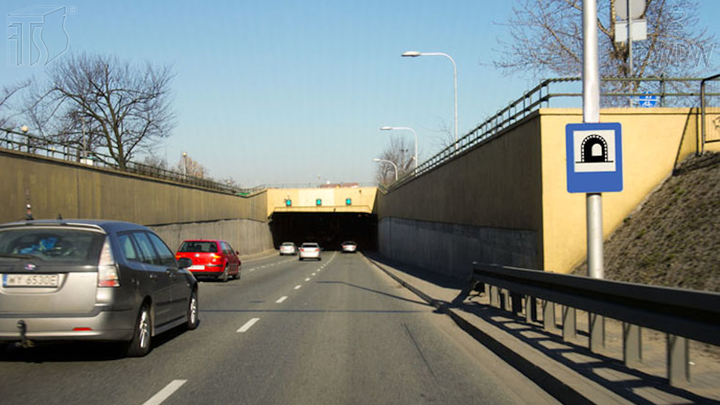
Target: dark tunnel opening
327 229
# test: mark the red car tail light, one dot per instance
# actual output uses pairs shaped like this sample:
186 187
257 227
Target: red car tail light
107 269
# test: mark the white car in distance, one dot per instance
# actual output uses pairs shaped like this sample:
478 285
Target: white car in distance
288 248
310 250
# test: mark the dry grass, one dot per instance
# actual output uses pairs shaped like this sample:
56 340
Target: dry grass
674 240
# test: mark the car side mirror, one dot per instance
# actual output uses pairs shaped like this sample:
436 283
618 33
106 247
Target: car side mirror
237 252
184 263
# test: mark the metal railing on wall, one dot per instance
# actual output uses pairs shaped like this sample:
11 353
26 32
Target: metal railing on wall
27 143
682 314
614 91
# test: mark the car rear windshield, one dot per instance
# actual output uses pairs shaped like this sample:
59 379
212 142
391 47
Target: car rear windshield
287 244
59 245
203 247
310 245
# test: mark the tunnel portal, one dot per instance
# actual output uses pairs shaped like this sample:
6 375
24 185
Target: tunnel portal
327 229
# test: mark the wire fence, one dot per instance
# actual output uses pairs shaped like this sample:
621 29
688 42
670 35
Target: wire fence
564 93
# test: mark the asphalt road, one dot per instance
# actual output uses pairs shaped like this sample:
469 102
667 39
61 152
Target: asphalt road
336 331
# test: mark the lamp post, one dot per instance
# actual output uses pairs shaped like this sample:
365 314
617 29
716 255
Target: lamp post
25 130
393 164
406 129
184 155
414 54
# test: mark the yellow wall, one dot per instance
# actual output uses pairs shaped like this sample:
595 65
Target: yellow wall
498 185
333 199
654 140
76 191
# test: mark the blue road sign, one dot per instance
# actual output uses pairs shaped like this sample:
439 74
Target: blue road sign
594 157
648 100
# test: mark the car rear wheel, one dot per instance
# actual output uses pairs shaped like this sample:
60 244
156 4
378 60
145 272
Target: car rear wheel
224 276
139 346
192 315
237 276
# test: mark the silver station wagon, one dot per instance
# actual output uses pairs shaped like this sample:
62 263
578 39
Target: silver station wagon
91 280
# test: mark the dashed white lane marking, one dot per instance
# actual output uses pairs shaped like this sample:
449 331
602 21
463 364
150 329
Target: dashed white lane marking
281 299
165 392
297 287
248 325
313 274
307 279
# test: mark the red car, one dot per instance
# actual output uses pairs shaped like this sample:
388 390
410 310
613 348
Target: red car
211 258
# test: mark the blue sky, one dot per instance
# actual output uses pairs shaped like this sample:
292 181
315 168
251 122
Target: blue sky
285 91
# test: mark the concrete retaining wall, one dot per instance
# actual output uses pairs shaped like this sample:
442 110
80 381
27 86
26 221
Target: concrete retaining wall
512 191
176 211
449 249
245 235
54 186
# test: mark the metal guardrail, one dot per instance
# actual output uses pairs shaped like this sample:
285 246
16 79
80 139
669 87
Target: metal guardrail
27 143
540 97
682 314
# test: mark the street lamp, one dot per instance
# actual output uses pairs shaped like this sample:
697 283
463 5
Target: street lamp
414 54
184 155
406 129
393 164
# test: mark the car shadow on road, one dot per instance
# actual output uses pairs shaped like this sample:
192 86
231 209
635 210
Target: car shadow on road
62 352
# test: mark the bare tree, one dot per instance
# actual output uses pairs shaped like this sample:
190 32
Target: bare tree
105 105
191 168
400 152
7 93
546 39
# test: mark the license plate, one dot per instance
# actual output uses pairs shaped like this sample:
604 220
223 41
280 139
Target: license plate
197 267
30 280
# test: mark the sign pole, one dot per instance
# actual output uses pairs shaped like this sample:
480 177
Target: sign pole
630 56
591 114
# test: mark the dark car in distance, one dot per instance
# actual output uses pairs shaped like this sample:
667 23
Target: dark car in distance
95 280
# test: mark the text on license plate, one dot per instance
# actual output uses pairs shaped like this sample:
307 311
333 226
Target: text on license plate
197 267
30 280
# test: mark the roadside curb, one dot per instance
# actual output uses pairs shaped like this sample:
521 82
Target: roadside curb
542 370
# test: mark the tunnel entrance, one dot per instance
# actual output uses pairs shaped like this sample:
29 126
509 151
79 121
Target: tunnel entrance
327 229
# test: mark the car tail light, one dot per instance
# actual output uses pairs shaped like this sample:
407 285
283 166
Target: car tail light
215 258
302 249
107 268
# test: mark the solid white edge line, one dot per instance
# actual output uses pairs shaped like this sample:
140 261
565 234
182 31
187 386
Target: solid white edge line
281 299
297 287
165 392
247 325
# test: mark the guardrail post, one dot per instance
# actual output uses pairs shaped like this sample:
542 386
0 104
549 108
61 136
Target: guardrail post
505 300
568 326
632 344
549 316
678 361
494 296
596 325
530 309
